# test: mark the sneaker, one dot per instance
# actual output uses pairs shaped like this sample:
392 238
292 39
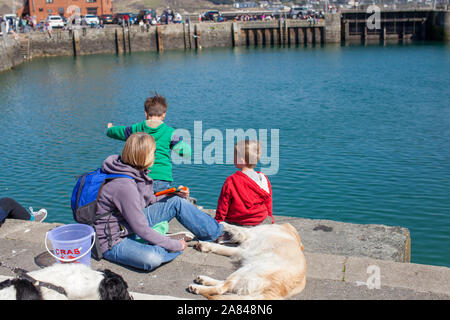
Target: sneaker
183 235
38 216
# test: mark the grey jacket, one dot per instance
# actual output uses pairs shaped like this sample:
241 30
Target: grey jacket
128 198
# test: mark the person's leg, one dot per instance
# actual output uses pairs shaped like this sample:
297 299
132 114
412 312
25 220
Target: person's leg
11 209
139 255
14 210
203 226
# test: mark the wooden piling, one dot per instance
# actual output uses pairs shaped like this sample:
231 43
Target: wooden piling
292 36
159 41
300 36
129 39
268 36
197 36
259 37
346 31
76 43
185 37
308 35
124 41
251 38
235 34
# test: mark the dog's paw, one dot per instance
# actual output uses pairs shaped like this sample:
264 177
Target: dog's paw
199 280
203 246
193 288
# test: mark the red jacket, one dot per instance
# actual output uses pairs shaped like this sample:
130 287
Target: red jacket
243 201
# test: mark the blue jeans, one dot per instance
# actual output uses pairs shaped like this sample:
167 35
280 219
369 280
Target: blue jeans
148 257
160 185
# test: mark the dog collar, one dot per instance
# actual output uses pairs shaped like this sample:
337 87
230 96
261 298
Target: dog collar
23 274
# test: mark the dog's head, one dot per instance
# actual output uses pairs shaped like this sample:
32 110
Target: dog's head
113 287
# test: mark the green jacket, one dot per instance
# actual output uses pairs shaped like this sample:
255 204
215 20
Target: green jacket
165 142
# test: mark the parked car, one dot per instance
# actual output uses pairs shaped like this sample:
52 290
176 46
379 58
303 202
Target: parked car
10 16
91 19
212 15
107 18
298 12
55 21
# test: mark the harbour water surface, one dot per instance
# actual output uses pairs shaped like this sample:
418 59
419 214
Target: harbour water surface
364 132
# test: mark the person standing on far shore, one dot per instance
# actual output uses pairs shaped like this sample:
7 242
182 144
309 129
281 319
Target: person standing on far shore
49 28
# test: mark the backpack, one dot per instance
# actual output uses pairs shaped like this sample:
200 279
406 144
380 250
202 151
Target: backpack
84 201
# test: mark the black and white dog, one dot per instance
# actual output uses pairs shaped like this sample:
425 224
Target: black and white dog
66 282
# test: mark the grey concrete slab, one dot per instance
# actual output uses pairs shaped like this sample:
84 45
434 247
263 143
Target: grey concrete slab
421 278
324 289
26 230
390 243
324 266
329 276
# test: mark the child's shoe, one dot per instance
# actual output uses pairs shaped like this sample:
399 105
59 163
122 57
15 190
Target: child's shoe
38 216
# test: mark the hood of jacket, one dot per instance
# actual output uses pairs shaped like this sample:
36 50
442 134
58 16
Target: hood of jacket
249 191
114 165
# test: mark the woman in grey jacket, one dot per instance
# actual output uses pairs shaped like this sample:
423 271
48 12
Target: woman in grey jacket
136 210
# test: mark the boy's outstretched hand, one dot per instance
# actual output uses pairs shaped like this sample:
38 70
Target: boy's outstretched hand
109 125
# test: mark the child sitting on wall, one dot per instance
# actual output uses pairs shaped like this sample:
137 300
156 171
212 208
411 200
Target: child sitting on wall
246 196
166 140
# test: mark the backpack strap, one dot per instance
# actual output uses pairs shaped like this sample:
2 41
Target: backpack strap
80 188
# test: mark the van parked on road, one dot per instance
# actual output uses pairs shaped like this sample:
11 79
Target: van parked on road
55 21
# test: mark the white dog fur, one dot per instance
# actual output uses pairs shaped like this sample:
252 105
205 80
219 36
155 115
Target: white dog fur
273 265
78 280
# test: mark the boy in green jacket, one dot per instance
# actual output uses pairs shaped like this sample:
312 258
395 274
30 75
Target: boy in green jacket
166 140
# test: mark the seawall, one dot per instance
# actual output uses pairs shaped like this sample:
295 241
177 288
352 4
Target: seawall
344 261
335 28
9 54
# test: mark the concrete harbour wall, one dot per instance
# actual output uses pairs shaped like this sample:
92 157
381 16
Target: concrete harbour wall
342 261
117 40
9 54
342 28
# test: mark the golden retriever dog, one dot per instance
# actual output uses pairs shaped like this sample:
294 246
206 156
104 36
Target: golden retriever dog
272 264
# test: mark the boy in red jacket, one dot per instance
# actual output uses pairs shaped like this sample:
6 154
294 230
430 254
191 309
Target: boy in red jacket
246 196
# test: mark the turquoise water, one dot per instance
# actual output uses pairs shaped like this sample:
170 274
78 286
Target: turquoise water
364 132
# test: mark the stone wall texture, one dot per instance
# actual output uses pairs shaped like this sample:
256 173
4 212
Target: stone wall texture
118 40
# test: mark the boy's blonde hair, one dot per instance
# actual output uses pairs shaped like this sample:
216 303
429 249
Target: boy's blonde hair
249 150
139 151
